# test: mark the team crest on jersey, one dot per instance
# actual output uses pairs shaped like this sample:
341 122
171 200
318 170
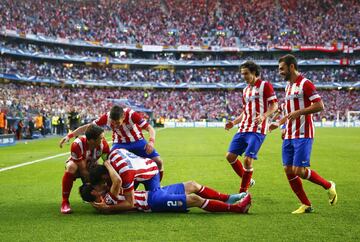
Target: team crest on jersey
98 153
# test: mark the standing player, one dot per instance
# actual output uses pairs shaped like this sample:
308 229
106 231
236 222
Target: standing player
127 126
85 152
259 102
132 169
302 100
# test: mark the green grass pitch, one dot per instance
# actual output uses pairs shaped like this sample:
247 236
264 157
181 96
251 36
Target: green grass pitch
30 195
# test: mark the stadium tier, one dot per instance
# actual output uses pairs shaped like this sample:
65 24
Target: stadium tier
226 23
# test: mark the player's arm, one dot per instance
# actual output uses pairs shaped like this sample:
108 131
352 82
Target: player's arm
149 147
317 104
119 206
236 121
76 132
116 181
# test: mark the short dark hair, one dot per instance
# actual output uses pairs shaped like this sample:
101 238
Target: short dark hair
93 132
96 174
85 193
288 60
116 112
252 66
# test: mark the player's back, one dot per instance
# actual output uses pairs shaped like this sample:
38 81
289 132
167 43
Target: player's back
123 161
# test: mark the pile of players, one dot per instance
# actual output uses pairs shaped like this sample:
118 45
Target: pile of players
111 187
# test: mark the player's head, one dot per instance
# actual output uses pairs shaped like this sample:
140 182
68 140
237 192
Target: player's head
89 194
94 134
250 71
99 175
116 115
287 66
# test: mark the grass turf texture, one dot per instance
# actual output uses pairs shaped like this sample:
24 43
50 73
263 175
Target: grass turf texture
31 195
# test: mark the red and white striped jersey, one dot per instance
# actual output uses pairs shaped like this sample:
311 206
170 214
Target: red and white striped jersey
80 150
256 99
299 95
140 200
129 131
132 167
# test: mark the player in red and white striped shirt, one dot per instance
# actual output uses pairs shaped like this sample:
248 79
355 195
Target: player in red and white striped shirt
127 126
301 101
173 198
259 102
131 169
85 153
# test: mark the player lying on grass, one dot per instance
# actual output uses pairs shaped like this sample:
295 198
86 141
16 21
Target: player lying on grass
172 198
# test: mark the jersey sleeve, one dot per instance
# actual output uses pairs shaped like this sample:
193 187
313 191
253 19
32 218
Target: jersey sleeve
76 154
310 92
137 119
269 93
101 121
127 178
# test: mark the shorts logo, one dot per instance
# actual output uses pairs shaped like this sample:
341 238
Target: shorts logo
252 153
172 203
304 161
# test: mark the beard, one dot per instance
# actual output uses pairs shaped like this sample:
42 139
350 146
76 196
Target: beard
287 76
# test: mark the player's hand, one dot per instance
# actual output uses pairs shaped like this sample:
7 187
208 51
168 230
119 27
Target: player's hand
229 125
102 207
294 115
63 140
273 126
149 147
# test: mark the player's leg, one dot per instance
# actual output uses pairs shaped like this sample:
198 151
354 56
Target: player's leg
193 200
204 192
153 183
288 156
303 149
236 148
67 183
254 141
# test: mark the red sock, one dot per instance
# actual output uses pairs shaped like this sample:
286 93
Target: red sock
238 167
215 206
67 183
245 182
206 192
314 177
297 187
161 175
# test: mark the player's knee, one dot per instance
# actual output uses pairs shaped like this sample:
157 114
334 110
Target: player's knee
230 157
71 167
289 170
248 162
193 200
299 171
191 187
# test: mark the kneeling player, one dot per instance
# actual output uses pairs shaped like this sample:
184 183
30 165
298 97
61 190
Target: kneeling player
85 152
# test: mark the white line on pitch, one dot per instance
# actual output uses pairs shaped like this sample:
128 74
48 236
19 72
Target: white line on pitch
32 162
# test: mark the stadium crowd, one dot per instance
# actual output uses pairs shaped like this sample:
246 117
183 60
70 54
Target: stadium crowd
28 101
173 22
190 75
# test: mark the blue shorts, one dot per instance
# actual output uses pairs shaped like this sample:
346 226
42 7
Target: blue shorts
137 147
249 142
152 184
168 199
296 152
